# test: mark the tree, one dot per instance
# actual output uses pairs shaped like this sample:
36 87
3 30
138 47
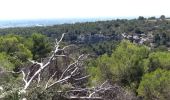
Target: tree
157 39
5 64
152 18
162 17
17 52
37 83
125 66
158 60
41 46
155 85
141 18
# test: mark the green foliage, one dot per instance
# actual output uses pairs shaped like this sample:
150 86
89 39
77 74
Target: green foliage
98 70
23 53
159 60
155 85
111 30
8 44
127 62
12 96
99 48
14 48
5 64
41 46
124 66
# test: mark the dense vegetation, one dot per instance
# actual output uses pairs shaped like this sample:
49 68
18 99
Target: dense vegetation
141 70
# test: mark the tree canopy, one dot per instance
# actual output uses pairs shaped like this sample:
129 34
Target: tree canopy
155 85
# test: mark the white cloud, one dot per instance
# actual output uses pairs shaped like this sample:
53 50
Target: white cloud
25 9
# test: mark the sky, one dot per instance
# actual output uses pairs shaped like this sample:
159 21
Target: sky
45 9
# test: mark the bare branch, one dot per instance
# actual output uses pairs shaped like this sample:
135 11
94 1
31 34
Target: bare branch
98 89
50 79
24 77
77 79
71 72
42 66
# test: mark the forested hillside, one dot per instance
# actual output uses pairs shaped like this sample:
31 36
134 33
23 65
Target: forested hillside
105 60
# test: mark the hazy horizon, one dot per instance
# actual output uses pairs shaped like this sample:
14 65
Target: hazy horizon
77 18
57 21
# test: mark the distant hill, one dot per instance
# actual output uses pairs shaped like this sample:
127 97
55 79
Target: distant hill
46 22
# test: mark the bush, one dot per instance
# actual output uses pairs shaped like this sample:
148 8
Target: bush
155 85
125 65
159 60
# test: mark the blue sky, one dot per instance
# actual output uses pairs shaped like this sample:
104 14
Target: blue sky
44 9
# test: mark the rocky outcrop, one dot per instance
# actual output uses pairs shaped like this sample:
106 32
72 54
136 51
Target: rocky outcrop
139 38
94 38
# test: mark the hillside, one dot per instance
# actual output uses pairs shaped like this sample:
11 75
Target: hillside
103 60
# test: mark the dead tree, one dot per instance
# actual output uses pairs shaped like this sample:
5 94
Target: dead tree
70 74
